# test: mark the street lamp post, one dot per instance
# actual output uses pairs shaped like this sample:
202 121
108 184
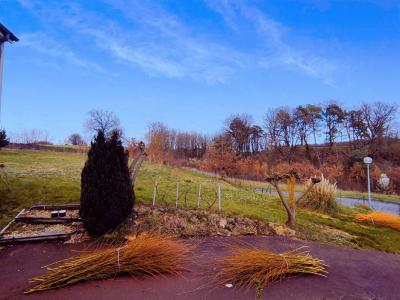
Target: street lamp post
368 162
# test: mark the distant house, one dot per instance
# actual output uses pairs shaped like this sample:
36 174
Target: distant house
5 36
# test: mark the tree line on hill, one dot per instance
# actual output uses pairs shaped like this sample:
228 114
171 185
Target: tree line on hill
286 129
328 138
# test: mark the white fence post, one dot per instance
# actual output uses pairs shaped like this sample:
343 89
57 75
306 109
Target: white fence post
155 192
199 197
219 197
177 195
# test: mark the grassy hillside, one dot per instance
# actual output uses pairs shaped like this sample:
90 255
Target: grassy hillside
54 177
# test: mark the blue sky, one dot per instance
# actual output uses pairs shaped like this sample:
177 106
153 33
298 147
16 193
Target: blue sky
192 63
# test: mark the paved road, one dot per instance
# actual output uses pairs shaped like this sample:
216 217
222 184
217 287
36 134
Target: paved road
383 206
353 274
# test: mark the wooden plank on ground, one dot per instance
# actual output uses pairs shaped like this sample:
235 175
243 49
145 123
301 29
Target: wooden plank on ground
56 207
42 220
34 238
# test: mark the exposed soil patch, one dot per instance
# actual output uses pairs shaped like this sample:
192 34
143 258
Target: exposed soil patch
41 213
336 233
201 223
187 223
22 229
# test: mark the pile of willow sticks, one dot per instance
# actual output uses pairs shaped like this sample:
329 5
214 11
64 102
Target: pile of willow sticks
253 267
145 255
380 219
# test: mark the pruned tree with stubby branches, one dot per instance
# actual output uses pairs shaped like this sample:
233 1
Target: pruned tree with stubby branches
290 205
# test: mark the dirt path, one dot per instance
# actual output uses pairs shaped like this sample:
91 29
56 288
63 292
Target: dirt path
353 274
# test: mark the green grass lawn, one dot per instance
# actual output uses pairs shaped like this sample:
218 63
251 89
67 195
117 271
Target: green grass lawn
54 177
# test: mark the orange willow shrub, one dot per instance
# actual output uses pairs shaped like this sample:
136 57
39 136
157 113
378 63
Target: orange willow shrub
381 219
147 254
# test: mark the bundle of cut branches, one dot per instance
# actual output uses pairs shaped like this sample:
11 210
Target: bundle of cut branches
147 254
381 219
254 267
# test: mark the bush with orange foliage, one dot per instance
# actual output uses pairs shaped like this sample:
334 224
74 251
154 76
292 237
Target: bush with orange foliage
357 172
307 170
250 168
219 161
357 175
394 175
332 172
381 219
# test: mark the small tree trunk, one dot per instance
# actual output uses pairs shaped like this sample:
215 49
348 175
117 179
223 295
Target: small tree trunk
177 195
291 219
291 214
199 197
219 197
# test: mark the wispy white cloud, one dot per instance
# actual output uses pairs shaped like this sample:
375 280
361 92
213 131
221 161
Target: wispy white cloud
277 50
163 45
154 40
148 37
138 55
226 10
43 44
324 5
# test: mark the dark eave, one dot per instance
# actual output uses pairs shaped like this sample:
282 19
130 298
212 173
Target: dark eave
8 35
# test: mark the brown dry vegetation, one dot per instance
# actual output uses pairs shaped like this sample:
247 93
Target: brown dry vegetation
252 267
144 255
287 139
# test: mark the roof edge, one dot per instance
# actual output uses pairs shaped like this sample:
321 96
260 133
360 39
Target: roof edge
10 37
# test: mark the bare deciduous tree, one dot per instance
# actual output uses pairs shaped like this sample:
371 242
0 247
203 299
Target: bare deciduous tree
31 136
239 129
334 117
101 120
256 134
271 128
378 117
76 140
158 141
307 119
355 127
164 143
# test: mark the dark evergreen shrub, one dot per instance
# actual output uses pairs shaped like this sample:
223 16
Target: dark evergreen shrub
107 196
3 139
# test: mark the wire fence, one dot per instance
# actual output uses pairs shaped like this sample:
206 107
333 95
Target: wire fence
209 195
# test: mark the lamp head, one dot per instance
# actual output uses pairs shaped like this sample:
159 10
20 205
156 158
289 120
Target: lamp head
367 160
